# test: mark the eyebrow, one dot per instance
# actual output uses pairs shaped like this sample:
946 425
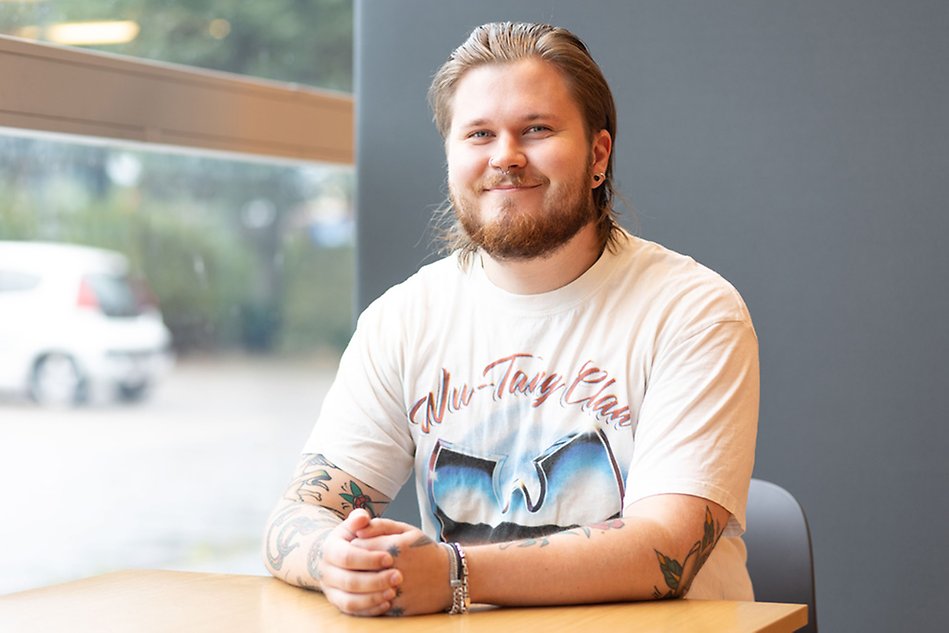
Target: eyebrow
530 118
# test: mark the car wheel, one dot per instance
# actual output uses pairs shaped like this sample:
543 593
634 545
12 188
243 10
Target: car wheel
57 381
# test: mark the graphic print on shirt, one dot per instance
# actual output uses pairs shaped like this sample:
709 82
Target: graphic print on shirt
527 450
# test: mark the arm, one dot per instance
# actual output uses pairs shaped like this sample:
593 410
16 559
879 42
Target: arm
652 552
309 535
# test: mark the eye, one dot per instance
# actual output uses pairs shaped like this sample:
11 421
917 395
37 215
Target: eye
539 129
479 134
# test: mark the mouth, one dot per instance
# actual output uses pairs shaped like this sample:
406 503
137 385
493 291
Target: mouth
511 186
512 183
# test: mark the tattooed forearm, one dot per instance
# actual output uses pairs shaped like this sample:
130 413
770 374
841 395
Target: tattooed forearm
678 575
285 531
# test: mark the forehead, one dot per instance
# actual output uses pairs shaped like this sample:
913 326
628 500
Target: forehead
527 87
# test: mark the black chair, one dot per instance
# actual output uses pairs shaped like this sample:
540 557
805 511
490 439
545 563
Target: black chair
780 559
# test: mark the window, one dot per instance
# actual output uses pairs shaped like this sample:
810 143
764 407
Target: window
286 40
224 204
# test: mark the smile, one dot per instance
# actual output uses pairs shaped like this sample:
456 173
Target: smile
511 188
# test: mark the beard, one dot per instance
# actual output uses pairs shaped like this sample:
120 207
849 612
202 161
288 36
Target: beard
518 233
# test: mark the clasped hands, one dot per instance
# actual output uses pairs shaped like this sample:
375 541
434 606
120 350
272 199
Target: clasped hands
373 566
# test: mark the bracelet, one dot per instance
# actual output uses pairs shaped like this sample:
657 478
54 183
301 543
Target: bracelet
458 579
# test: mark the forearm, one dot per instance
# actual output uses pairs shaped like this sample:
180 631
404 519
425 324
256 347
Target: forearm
293 543
632 558
319 498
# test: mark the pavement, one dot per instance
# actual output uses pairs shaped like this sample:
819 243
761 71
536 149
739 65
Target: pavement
184 480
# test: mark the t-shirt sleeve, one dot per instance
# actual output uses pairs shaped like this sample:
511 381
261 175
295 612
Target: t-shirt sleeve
698 422
362 425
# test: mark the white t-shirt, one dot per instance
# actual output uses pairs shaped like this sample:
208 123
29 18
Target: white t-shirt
522 415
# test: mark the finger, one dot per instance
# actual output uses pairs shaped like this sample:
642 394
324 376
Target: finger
360 582
383 527
382 609
357 520
344 555
361 604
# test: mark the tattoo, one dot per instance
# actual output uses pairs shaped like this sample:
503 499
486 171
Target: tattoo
422 541
284 532
310 477
611 524
396 612
541 542
679 575
587 530
394 551
314 558
354 496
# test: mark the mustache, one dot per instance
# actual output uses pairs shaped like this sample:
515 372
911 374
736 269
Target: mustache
513 180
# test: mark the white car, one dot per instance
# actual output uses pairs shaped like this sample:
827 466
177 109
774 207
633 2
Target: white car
73 328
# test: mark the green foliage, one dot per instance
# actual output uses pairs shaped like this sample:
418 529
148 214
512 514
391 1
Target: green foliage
301 41
222 281
318 299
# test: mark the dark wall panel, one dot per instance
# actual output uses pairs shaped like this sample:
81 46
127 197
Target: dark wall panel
799 148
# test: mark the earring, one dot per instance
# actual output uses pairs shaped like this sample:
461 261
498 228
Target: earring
598 177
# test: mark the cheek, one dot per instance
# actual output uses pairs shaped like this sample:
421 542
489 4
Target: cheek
464 168
564 164
463 174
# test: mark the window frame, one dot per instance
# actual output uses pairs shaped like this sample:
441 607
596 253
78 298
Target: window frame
64 90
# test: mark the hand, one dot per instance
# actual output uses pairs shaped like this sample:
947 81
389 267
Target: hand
422 563
356 580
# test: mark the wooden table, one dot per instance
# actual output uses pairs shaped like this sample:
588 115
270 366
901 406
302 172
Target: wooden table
167 601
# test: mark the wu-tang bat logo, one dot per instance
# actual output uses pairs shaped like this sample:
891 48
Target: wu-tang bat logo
501 497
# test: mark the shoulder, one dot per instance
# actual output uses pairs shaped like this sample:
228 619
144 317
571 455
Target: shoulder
670 297
424 290
674 282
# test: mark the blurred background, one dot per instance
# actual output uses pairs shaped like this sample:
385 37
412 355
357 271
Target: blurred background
108 457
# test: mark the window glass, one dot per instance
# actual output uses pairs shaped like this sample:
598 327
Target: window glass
163 437
287 40
112 294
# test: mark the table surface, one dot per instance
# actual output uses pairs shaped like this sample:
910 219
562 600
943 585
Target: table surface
144 601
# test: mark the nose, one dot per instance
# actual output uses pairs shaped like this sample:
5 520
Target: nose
507 154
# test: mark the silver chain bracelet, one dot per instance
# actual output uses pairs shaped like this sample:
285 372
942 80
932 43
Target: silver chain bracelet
458 578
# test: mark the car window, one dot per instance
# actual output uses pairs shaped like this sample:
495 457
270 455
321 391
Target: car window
114 295
15 281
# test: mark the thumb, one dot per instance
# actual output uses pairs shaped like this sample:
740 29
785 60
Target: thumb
383 527
357 520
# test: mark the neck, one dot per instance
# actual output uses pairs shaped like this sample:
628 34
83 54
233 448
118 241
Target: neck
550 272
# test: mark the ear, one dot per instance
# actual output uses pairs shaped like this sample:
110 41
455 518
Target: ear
602 148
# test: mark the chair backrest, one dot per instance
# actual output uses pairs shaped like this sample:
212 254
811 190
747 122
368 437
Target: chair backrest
780 559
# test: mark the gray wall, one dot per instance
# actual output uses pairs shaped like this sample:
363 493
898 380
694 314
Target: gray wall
800 148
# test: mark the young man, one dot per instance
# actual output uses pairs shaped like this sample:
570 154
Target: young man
579 405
